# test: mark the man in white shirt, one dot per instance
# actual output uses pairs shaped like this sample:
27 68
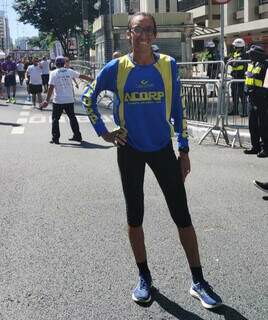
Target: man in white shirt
34 72
61 84
45 73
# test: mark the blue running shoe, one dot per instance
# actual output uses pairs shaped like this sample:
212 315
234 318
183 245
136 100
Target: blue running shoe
204 292
142 293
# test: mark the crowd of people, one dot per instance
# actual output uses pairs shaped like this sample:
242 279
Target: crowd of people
33 71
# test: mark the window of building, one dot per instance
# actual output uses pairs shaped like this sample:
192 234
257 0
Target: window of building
240 4
263 1
156 3
185 5
167 5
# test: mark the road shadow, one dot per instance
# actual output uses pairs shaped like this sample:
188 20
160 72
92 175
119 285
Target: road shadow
171 307
10 124
85 145
178 312
42 110
265 198
228 313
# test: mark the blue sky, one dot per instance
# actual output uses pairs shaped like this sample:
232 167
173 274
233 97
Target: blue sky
17 29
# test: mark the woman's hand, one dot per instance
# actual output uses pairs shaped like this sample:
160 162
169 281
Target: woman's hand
117 137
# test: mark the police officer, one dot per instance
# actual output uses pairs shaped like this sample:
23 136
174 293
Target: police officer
258 97
238 72
212 54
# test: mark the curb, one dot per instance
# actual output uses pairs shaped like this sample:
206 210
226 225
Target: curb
196 131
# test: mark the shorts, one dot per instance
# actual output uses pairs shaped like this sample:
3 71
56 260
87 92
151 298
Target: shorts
10 80
45 79
166 168
35 88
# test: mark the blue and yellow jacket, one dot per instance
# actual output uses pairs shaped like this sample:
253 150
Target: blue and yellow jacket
148 101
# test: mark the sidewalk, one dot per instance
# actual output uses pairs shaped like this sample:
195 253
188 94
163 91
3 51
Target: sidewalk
197 130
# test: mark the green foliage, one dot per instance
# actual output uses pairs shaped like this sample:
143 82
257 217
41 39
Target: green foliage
43 41
61 18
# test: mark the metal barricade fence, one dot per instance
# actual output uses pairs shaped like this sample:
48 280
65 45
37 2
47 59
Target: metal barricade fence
202 91
105 97
235 102
207 92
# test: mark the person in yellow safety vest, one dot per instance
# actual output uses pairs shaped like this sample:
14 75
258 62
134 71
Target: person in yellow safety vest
258 97
238 72
212 54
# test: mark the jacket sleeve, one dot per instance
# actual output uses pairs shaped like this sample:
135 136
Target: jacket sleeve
178 111
105 80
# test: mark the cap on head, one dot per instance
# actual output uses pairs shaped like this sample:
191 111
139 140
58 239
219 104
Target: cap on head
210 44
60 61
239 43
155 48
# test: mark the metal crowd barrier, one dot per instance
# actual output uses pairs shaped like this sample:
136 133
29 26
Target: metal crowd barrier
206 90
84 67
202 89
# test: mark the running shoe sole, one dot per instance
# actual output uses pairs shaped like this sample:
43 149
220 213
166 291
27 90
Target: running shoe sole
194 294
254 182
139 300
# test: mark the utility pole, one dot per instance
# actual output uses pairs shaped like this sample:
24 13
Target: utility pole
210 13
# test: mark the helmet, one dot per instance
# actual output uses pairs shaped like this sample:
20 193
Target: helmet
210 44
155 48
256 53
239 43
60 61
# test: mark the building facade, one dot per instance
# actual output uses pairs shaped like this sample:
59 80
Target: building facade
242 18
21 43
174 28
5 40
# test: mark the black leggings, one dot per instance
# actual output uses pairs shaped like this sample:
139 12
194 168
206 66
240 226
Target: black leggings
166 168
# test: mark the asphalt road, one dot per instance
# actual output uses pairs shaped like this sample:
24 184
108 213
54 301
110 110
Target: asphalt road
63 243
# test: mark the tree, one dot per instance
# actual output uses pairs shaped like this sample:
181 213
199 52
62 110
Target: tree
44 40
58 17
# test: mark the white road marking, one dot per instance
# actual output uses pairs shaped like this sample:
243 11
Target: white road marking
24 113
22 120
27 107
17 130
38 119
62 119
82 119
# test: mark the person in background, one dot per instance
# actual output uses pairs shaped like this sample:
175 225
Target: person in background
147 88
45 73
117 54
28 62
9 68
52 65
21 72
61 85
67 65
34 73
258 97
238 72
212 54
1 76
194 59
